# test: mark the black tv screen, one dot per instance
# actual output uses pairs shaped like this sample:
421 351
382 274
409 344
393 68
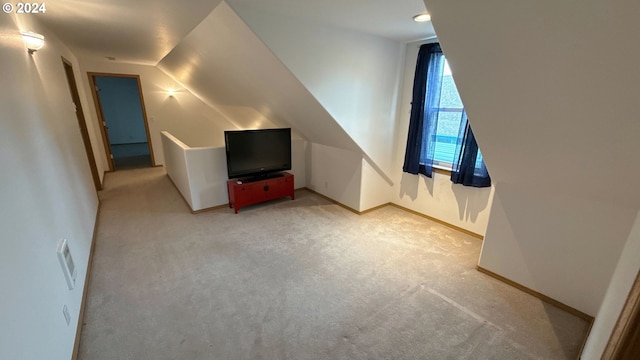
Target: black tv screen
257 153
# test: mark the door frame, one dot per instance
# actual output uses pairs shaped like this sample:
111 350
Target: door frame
84 132
102 124
626 328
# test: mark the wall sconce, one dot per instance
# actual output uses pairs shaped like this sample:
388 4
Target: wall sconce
171 92
33 41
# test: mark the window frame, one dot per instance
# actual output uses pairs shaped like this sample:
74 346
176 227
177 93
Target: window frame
443 165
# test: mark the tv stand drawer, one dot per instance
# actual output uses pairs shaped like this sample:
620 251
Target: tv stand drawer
245 194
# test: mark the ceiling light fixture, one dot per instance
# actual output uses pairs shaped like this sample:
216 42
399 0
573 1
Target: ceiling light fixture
422 17
171 92
33 41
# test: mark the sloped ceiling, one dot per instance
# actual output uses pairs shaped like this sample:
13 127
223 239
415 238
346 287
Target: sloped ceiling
141 31
224 62
144 31
551 89
388 19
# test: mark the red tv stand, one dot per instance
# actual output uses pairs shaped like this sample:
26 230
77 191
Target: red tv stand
242 193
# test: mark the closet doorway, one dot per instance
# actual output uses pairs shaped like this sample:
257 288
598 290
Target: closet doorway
123 120
84 132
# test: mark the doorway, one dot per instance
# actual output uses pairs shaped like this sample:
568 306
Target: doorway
121 112
75 97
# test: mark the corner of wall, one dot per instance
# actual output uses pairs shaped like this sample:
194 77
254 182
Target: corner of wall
374 189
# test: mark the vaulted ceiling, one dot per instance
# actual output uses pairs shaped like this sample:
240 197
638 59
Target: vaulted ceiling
141 31
144 31
238 75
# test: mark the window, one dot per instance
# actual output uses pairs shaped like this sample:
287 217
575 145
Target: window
439 131
449 118
448 129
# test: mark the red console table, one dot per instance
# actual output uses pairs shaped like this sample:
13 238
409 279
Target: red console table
242 194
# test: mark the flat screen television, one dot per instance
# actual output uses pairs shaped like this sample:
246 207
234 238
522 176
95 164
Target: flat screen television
255 154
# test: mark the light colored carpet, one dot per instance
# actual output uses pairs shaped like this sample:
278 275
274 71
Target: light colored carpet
131 156
302 279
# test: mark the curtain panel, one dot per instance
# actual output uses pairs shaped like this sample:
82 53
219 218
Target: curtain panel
468 165
418 157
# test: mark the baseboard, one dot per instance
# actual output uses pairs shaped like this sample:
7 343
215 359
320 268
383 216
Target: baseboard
337 202
372 209
588 318
179 192
343 205
586 337
209 208
454 227
540 296
83 302
189 206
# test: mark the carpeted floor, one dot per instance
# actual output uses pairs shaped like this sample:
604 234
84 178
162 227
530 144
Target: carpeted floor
302 279
131 156
132 162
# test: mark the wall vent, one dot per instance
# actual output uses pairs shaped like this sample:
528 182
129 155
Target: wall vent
67 264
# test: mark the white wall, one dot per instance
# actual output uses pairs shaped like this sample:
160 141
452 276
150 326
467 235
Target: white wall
207 171
353 75
47 194
175 163
565 167
374 189
299 162
183 115
563 247
617 293
335 173
463 206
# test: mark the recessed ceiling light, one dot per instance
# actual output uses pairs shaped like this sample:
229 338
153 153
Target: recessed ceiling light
422 17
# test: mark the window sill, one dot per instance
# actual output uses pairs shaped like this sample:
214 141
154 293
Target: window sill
440 169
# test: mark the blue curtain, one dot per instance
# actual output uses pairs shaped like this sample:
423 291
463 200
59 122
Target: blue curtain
468 166
427 84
